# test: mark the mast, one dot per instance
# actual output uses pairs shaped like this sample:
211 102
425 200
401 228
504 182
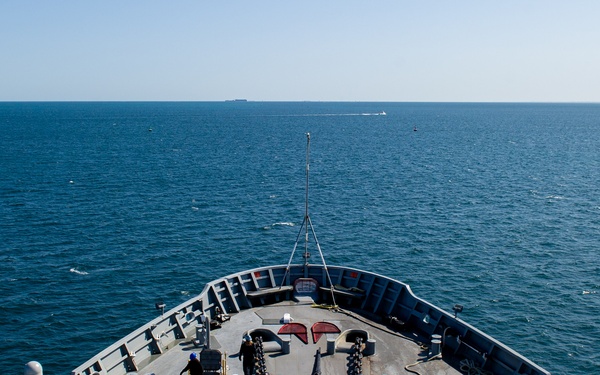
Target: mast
308 229
306 217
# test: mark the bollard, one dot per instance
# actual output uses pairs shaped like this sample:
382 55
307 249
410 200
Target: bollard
369 347
200 335
285 345
330 345
436 345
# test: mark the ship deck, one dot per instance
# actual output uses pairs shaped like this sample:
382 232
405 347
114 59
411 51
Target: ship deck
392 350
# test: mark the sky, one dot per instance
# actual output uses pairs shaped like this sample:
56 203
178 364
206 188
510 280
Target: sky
338 50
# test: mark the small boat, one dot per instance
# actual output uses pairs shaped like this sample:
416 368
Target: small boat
382 113
309 318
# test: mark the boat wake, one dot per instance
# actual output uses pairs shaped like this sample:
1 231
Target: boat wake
382 113
75 270
282 224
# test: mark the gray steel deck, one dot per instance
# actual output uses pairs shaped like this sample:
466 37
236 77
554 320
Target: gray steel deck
393 351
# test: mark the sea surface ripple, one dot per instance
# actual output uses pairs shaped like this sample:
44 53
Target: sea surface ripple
107 208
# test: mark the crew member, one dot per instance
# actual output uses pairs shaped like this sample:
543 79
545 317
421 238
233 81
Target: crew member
248 351
194 366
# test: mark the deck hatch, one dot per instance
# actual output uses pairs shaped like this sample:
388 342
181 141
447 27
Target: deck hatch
297 329
320 328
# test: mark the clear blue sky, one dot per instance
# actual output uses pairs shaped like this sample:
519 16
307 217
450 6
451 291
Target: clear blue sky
509 50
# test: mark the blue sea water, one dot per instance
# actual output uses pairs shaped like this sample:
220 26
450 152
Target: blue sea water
107 208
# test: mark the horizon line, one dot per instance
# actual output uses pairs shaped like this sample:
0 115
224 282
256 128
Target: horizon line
240 101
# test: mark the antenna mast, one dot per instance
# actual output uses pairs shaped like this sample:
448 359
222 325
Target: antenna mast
306 217
308 228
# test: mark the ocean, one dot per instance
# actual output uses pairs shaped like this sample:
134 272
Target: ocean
108 208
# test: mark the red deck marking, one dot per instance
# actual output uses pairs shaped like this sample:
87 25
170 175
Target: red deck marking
354 275
319 328
297 329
